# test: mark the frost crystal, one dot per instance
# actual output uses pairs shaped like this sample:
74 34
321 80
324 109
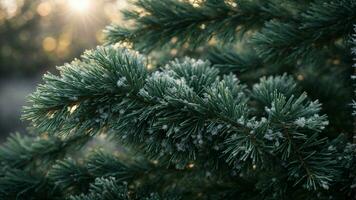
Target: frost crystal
325 185
331 148
300 122
180 146
74 98
121 82
277 143
263 120
214 132
269 135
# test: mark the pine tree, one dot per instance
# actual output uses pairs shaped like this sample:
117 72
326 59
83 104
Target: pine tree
255 106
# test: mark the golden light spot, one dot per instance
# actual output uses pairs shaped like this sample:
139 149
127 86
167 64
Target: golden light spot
191 165
254 167
202 26
142 12
173 52
174 40
49 44
44 9
196 3
124 44
336 61
149 66
231 3
300 77
155 162
186 45
212 41
71 109
50 115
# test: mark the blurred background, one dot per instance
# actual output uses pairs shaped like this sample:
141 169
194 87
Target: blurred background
38 35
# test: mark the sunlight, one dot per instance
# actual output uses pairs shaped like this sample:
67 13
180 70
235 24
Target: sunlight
80 6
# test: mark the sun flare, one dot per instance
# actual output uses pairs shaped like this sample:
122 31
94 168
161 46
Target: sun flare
80 6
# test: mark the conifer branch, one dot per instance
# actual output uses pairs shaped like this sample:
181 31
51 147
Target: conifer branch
193 23
160 113
319 26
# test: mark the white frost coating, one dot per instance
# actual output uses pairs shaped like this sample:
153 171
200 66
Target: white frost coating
263 120
143 92
331 148
300 122
325 185
121 82
74 98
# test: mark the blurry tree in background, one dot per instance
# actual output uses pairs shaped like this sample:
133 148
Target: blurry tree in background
36 35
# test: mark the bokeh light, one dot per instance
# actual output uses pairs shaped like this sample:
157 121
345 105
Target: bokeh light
49 44
44 9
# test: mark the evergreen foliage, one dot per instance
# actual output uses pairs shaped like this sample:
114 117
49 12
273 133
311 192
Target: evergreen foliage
264 119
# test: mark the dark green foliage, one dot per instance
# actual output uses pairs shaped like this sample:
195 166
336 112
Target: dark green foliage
194 25
230 61
320 26
22 185
104 189
183 114
235 127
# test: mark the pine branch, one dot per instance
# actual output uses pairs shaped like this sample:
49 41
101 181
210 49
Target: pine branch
105 189
319 26
229 61
22 152
79 96
353 77
113 191
194 24
69 176
162 112
22 185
